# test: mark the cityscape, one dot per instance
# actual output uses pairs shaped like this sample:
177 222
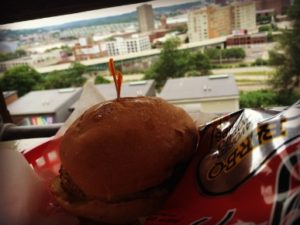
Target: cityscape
213 56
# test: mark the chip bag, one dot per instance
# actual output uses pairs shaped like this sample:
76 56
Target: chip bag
246 171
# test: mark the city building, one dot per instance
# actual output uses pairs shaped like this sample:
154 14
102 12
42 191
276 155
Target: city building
212 94
218 26
5 65
86 49
123 45
43 107
37 60
50 57
246 40
208 22
244 15
198 25
163 22
215 21
145 18
279 6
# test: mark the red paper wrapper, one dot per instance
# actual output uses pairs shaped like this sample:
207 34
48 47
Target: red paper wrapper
247 171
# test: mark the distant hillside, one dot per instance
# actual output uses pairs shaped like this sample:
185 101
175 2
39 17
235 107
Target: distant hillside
127 17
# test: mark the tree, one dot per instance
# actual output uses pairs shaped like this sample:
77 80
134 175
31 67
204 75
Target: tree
199 63
169 63
229 53
257 99
67 78
287 58
12 55
21 78
173 63
213 53
101 80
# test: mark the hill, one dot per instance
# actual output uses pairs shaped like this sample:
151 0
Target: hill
126 17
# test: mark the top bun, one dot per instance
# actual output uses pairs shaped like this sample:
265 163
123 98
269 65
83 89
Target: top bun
128 145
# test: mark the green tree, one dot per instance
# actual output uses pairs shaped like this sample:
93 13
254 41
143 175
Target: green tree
257 99
265 28
72 77
228 53
12 55
168 64
213 53
173 63
78 68
101 80
21 78
199 63
287 57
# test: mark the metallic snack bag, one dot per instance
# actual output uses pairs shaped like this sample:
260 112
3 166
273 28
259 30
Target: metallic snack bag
246 171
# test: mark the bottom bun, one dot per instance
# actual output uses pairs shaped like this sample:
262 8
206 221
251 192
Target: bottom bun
110 213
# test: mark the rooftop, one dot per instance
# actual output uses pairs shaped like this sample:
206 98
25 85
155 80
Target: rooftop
131 89
202 87
42 102
9 93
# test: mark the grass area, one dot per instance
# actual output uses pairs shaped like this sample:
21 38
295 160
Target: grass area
250 82
264 98
247 81
254 73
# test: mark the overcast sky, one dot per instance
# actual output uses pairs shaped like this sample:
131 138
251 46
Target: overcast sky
88 15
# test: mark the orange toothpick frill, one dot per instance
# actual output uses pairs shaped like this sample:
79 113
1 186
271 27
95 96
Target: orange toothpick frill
117 75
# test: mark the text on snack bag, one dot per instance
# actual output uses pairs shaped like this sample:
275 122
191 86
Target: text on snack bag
263 134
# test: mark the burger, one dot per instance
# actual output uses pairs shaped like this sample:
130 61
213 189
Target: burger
121 158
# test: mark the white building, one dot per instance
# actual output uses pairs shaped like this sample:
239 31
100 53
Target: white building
122 45
198 25
15 62
211 94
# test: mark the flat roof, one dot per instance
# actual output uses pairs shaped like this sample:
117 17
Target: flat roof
42 102
130 89
203 87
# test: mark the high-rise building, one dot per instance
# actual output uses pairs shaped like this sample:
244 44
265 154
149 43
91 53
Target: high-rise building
220 21
209 22
244 15
198 25
145 18
215 20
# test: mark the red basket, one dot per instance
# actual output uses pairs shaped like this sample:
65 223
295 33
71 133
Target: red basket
44 158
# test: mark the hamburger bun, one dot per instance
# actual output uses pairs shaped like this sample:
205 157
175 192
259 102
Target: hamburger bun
119 159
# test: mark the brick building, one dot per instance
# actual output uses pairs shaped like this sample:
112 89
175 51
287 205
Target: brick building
246 40
279 6
215 21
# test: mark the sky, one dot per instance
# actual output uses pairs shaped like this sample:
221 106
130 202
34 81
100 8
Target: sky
57 20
